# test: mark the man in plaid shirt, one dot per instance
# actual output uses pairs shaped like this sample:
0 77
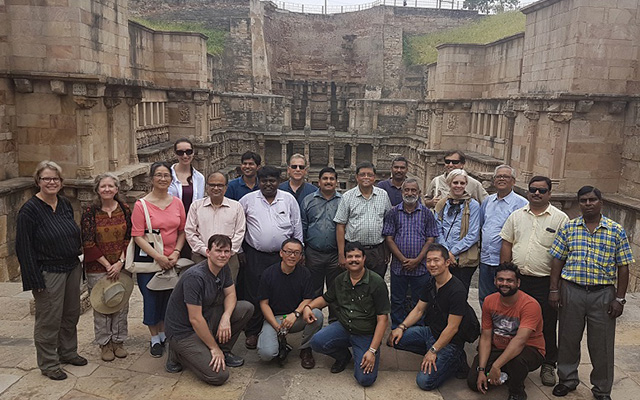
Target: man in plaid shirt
588 253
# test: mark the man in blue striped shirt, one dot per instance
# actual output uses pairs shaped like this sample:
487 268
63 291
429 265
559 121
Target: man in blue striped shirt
409 228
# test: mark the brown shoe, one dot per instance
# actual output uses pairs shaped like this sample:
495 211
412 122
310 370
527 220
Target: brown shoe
118 350
251 342
56 374
307 360
107 352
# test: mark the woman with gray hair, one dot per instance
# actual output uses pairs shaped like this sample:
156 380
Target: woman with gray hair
106 232
48 245
458 218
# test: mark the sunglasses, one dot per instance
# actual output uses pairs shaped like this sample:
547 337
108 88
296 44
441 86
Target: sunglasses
297 166
180 153
541 190
454 162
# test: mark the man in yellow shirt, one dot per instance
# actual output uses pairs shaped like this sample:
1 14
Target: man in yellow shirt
527 236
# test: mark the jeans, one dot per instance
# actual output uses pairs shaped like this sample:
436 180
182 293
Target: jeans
334 340
268 339
419 339
154 302
486 284
399 286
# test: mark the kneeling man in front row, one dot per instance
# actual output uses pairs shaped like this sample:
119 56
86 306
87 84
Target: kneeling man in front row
362 306
204 318
285 289
443 303
511 340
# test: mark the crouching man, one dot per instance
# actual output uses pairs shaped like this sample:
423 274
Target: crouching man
361 301
285 289
443 303
204 318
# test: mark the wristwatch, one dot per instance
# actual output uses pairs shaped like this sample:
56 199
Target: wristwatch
296 313
621 300
121 260
433 350
480 369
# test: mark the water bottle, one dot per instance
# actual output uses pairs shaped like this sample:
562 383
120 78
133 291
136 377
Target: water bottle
503 377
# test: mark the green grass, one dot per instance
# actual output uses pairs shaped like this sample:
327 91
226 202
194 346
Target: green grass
421 49
215 43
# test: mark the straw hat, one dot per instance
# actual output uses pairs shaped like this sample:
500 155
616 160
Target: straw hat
168 279
108 297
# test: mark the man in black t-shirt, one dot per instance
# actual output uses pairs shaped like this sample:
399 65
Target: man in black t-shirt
443 302
285 289
204 319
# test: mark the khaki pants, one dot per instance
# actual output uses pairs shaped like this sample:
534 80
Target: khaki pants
55 331
234 264
109 327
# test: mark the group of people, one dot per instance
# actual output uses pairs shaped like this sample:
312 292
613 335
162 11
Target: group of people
264 251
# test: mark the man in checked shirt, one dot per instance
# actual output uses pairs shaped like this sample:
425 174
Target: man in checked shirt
589 252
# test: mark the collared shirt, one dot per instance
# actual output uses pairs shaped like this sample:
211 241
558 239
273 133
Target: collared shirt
363 217
410 232
268 225
359 305
493 214
237 189
532 236
394 192
303 191
438 188
449 228
205 219
317 215
592 259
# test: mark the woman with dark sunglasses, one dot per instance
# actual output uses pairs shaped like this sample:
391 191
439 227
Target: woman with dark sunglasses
187 183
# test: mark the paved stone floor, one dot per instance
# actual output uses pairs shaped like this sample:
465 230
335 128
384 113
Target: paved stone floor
140 376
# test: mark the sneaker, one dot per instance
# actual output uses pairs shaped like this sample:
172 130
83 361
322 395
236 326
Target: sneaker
106 352
231 360
56 374
548 375
156 350
118 350
78 361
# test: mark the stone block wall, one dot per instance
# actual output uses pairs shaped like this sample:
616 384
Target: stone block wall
459 71
12 195
502 66
8 149
630 174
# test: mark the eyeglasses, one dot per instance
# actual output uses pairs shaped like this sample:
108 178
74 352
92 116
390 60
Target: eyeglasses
180 153
503 177
162 176
290 253
541 190
297 166
50 180
454 162
216 185
366 175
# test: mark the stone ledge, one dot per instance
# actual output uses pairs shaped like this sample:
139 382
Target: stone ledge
155 149
11 185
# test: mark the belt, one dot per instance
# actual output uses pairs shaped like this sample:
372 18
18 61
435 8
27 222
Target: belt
590 288
369 247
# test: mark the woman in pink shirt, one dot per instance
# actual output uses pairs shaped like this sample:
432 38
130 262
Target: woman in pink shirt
167 214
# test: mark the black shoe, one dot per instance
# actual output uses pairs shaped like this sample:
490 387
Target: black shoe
561 390
156 350
231 360
517 396
78 361
340 365
173 367
56 374
602 396
463 369
283 349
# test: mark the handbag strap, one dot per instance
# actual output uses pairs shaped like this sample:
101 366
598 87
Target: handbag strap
146 215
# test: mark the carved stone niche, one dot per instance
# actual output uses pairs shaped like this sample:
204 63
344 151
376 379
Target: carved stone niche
617 107
23 85
58 87
584 106
560 117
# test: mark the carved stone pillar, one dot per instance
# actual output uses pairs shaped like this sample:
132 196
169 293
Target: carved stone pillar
354 155
283 154
133 102
307 153
508 142
530 132
374 151
84 136
332 139
307 121
261 146
112 138
558 146
436 129
287 118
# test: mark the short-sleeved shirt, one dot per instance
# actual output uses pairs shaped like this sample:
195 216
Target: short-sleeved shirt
197 286
303 191
531 236
394 192
169 221
592 259
359 305
505 321
363 217
450 299
317 215
285 292
237 189
410 232
494 212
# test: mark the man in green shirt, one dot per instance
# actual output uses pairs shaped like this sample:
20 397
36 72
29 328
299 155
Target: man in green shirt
362 305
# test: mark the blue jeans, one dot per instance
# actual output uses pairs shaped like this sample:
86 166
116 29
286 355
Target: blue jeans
399 286
154 302
419 339
334 340
486 284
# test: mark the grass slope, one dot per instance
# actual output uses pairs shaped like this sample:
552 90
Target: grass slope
422 49
215 43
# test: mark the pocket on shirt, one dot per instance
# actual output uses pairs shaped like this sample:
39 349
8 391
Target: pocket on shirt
283 221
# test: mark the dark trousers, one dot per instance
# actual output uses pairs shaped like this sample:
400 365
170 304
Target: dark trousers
193 354
376 258
538 288
518 368
257 262
465 274
323 267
